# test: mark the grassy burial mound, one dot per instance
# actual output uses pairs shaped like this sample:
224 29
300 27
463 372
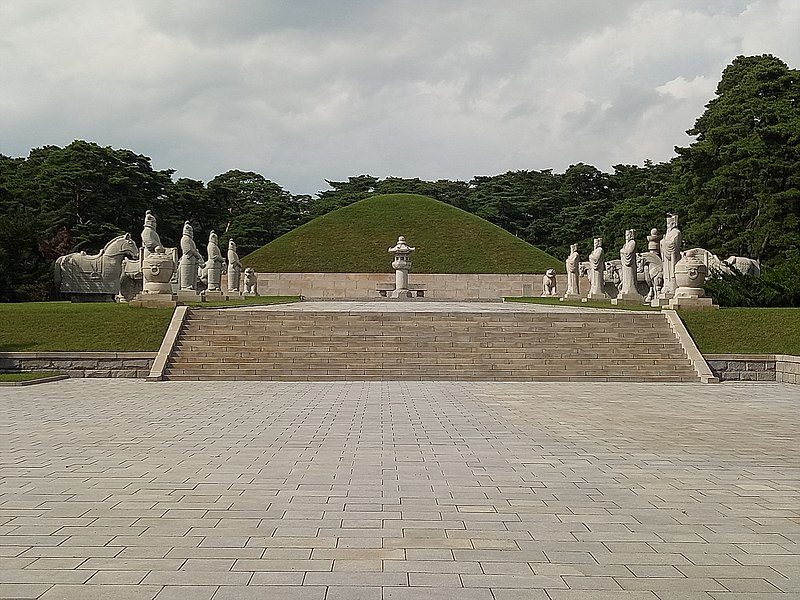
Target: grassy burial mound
355 239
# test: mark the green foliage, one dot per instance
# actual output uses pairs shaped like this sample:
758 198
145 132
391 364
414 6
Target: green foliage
744 169
642 196
256 209
745 330
356 239
775 287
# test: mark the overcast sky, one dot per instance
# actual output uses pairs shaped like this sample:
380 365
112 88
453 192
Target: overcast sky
307 90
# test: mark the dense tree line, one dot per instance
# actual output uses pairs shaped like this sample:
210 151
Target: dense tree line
736 188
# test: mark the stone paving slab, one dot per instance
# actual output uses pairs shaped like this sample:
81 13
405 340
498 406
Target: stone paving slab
420 307
399 490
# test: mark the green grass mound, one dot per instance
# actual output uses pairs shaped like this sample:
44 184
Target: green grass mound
355 239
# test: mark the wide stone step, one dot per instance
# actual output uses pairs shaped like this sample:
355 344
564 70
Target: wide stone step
391 355
307 346
443 377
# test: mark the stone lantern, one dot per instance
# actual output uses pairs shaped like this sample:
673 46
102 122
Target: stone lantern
401 265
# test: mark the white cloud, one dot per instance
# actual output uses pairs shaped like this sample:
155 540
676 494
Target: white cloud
304 92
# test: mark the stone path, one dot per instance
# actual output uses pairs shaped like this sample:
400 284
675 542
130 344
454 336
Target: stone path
473 491
420 306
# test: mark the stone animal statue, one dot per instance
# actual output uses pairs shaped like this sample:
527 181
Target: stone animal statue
741 264
250 282
653 273
745 266
549 283
613 272
95 276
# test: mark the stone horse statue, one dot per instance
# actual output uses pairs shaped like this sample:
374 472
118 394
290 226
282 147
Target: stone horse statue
651 267
95 277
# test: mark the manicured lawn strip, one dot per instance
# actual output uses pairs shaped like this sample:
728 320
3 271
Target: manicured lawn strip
14 377
81 327
745 330
246 301
590 304
724 331
355 239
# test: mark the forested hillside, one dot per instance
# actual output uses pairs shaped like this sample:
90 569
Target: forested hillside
736 187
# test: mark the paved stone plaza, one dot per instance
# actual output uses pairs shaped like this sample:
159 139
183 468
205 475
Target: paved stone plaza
487 491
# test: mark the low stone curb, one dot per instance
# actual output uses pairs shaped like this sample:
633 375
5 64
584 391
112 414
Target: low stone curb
170 338
698 362
34 381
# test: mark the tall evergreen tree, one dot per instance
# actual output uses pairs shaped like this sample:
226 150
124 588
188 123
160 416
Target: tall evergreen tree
743 170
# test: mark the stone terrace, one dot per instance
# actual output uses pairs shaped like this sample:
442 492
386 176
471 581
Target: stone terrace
399 490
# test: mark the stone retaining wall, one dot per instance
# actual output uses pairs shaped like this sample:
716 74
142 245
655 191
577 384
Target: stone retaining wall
81 364
359 286
782 368
742 367
728 367
787 369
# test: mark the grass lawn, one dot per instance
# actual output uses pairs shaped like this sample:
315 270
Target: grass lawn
15 377
724 331
355 239
94 326
107 327
578 303
81 327
745 330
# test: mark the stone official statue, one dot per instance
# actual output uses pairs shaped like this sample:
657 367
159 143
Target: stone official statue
150 237
234 267
573 270
191 259
670 254
597 269
629 264
214 263
627 258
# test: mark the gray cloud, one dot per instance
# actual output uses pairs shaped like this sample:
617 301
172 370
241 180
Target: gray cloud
315 90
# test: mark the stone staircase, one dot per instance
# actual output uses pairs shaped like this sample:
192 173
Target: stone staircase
487 346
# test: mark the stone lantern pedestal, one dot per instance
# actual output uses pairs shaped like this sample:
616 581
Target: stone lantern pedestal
158 269
690 280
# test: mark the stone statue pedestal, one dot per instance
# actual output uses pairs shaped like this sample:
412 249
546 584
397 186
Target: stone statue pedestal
593 296
571 297
690 277
188 296
661 301
214 295
209 295
155 300
628 299
692 303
